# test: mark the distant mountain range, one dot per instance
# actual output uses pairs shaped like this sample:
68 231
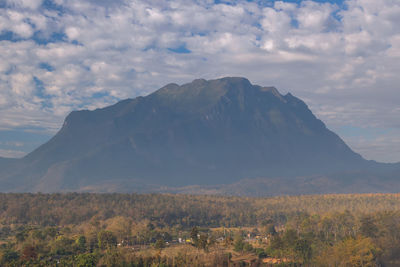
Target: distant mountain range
223 136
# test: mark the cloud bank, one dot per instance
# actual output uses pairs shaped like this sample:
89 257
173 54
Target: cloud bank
343 59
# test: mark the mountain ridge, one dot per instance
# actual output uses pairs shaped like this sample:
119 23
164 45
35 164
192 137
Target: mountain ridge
204 132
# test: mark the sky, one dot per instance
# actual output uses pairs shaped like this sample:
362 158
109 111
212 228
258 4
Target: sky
341 57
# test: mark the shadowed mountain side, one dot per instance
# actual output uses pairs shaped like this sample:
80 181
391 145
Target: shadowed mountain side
7 164
343 183
204 132
4 162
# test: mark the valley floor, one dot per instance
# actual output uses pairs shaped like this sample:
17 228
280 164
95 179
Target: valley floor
184 230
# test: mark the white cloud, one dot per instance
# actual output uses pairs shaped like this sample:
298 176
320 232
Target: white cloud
313 16
344 63
72 33
275 21
22 84
9 153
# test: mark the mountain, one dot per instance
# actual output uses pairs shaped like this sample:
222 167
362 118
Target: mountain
202 133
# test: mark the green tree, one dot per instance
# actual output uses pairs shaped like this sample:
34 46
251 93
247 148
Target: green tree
350 252
290 238
248 247
270 230
368 227
86 260
261 253
21 236
303 248
80 243
202 242
238 243
106 239
51 231
194 234
8 257
160 244
62 246
113 258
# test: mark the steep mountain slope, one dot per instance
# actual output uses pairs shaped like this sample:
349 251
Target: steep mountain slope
204 132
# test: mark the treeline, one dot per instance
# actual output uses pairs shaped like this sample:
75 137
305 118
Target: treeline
182 230
184 210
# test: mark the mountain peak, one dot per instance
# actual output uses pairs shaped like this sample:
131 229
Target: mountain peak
234 79
202 132
216 88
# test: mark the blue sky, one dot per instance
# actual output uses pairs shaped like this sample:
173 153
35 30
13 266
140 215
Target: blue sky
341 57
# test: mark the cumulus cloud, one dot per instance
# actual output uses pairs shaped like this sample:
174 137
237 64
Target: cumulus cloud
61 55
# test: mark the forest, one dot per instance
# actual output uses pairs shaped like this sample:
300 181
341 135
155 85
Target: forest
84 229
